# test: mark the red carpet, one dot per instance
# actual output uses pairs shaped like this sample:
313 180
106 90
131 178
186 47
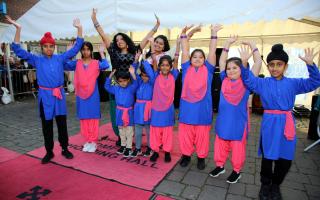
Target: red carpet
6 154
26 178
138 172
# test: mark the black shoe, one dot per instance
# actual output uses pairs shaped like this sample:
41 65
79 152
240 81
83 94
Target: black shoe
201 163
234 177
127 153
167 157
154 157
275 192
185 160
148 152
118 142
121 150
47 157
136 152
264 192
217 171
67 154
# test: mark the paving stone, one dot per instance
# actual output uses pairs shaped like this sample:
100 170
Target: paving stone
176 175
293 185
247 178
237 188
292 194
296 177
236 197
170 187
191 192
217 182
252 191
211 192
315 180
195 178
313 190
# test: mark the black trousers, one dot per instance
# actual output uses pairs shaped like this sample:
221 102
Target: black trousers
47 130
275 176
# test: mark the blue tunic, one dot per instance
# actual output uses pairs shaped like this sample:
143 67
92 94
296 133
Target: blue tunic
124 98
198 113
164 118
144 92
232 119
279 95
88 108
50 75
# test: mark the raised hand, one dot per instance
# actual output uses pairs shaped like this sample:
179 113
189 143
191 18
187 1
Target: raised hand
112 73
194 30
232 39
158 20
216 28
308 56
76 23
131 70
94 13
137 56
250 43
102 47
13 22
245 54
185 29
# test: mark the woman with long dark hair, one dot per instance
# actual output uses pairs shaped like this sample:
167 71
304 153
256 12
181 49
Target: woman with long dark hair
122 52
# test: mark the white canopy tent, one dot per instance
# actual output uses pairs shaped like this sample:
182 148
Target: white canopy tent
126 15
266 22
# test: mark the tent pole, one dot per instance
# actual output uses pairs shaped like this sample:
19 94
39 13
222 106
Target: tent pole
9 72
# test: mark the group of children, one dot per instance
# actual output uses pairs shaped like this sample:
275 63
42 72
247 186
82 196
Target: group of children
145 99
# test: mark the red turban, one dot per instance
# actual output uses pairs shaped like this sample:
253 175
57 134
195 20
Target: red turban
47 38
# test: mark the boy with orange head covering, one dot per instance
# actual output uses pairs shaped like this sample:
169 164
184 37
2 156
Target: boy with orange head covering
51 99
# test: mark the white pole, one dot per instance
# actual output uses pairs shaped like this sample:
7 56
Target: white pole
9 72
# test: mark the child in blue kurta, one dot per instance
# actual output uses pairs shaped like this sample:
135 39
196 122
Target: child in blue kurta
142 107
278 137
232 125
162 109
195 115
50 75
124 94
87 71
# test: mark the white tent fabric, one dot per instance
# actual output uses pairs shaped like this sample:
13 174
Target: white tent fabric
126 15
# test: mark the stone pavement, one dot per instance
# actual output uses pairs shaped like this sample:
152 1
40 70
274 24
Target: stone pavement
20 130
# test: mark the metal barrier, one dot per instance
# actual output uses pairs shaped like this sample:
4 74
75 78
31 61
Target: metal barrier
24 81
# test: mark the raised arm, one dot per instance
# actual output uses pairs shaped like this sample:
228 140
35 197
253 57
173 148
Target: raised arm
224 54
213 44
103 64
78 44
18 29
107 85
144 41
177 53
185 44
313 82
20 52
149 71
256 67
153 56
106 40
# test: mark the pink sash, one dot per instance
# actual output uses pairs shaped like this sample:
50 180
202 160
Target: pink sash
289 132
55 91
85 79
147 109
195 84
163 92
125 115
233 91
